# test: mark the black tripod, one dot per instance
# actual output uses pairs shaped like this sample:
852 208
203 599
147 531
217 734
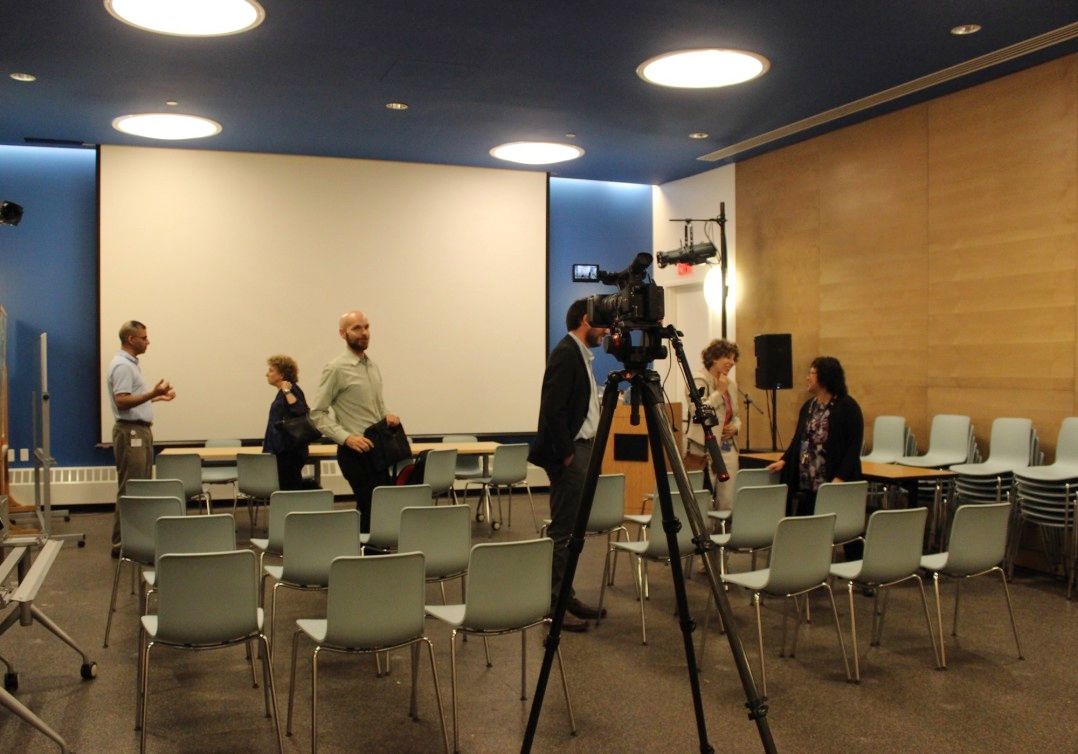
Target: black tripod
646 390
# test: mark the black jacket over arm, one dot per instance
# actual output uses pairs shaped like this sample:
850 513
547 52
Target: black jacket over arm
563 406
276 440
842 449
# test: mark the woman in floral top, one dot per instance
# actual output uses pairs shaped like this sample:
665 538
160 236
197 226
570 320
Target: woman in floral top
826 447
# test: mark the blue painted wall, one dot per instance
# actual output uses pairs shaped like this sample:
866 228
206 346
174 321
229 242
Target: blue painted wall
594 222
48 283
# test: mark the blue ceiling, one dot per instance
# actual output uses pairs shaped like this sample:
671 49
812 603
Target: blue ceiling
315 76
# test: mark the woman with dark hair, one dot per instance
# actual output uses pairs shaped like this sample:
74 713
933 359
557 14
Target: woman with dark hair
826 447
289 402
719 391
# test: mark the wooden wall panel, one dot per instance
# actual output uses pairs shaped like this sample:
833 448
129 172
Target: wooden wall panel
945 249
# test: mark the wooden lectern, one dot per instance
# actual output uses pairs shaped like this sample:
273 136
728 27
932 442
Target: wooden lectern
628 452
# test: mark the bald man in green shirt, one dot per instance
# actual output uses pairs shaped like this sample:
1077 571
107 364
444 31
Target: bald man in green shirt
351 386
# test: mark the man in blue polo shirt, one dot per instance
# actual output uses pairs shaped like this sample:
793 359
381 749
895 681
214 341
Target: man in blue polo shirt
132 439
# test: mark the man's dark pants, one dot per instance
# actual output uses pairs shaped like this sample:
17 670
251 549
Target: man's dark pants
363 478
566 483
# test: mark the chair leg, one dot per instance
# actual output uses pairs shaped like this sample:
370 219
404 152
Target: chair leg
112 601
797 625
486 651
437 692
314 700
939 620
602 584
292 682
853 635
928 622
138 675
760 643
272 617
640 597
838 630
412 711
524 665
565 689
145 697
1010 611
251 661
703 635
453 689
531 504
954 622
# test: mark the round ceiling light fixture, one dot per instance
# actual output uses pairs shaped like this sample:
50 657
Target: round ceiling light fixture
167 126
963 30
703 69
189 18
536 152
26 78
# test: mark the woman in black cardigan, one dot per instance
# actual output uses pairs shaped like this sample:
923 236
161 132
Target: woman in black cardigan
289 401
826 447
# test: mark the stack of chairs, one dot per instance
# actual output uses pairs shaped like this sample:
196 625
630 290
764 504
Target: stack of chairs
891 440
1047 497
950 442
1010 449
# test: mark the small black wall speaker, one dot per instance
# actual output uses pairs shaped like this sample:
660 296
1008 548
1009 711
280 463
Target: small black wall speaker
774 361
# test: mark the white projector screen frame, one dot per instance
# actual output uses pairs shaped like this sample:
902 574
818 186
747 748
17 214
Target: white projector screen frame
231 257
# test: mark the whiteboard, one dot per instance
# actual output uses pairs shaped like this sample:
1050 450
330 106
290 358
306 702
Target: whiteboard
229 258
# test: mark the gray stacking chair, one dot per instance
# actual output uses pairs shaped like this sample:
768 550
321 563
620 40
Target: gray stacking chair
186 467
206 601
256 479
848 501
508 469
889 435
655 548
948 443
696 481
386 505
508 592
444 535
892 555
440 472
156 488
373 605
468 467
283 502
138 519
1009 450
800 563
222 472
744 478
311 542
754 517
605 519
977 546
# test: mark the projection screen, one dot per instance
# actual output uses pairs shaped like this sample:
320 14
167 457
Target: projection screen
229 258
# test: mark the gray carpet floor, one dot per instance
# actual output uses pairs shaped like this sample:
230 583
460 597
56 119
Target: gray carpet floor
627 696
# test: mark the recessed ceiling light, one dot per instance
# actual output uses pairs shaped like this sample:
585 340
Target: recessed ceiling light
703 69
171 102
536 152
570 135
24 77
396 106
964 29
698 135
170 126
189 18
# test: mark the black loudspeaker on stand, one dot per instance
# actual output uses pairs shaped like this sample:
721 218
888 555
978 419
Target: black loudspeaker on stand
774 372
647 390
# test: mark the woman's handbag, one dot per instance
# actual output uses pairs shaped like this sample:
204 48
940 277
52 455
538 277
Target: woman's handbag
299 429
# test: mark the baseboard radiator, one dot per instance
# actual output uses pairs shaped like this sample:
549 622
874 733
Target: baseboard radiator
94 485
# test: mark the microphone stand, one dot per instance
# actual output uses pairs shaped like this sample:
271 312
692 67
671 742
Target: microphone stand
749 403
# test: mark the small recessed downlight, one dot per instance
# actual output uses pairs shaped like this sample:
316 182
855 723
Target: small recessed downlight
963 30
168 126
698 135
536 152
188 18
25 77
703 69
396 106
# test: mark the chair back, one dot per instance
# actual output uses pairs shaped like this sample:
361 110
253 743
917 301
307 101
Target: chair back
696 481
186 467
155 488
888 439
206 598
386 505
1010 442
755 515
440 470
1067 442
138 521
510 464
754 478
847 500
221 443
442 533
658 548
950 434
313 540
508 584
257 474
608 506
375 602
978 538
893 544
466 465
215 533
284 502
801 553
